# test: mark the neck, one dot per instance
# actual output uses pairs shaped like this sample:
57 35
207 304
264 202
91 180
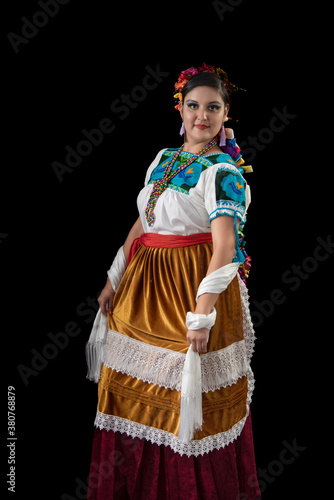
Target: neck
195 147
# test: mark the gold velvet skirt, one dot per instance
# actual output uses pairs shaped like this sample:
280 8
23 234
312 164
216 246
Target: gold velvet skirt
139 387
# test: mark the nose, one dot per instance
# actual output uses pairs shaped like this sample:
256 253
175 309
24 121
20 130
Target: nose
202 113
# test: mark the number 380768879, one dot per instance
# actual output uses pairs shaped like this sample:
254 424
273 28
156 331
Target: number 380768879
11 410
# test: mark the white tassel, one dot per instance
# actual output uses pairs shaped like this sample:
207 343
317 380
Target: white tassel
191 418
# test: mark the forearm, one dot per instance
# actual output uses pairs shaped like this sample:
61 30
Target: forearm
220 273
223 253
206 303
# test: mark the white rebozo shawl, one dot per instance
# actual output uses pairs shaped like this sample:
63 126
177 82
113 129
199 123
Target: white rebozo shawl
98 336
191 387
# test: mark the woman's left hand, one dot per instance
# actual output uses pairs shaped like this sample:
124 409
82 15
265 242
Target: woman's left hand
198 339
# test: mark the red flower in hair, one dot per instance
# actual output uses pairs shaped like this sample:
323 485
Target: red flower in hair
184 77
206 68
190 71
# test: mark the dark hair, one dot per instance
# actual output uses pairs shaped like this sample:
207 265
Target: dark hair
209 80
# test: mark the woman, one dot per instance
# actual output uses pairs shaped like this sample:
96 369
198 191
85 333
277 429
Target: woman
175 386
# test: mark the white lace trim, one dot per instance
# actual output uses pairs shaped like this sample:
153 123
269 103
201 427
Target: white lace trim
161 437
249 334
164 367
146 362
224 367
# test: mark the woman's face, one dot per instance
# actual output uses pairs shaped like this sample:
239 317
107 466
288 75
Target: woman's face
203 112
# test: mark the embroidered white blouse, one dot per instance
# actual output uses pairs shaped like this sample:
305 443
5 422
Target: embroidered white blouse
211 186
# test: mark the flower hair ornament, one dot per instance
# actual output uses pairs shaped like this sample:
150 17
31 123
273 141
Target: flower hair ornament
227 140
187 74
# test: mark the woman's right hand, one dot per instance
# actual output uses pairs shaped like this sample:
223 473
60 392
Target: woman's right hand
106 298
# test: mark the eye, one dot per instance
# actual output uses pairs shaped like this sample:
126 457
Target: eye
214 107
192 105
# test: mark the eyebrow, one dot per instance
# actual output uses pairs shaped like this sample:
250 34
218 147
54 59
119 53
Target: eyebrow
211 102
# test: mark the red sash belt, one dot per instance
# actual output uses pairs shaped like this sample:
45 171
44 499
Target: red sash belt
156 240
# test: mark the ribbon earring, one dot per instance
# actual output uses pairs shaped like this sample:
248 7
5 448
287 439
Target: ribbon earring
182 131
222 141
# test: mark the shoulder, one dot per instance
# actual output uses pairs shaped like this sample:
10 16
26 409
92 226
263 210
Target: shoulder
222 165
224 162
224 181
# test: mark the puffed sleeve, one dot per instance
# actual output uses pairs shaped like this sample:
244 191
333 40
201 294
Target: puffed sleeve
226 193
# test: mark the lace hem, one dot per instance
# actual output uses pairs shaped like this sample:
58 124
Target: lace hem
249 334
164 367
161 437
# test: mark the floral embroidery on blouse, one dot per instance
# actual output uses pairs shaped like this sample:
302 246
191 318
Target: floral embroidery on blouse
230 194
232 187
189 177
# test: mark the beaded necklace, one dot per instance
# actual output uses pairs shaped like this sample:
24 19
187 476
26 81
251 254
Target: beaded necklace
160 185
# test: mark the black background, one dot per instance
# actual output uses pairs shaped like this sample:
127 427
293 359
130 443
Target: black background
59 238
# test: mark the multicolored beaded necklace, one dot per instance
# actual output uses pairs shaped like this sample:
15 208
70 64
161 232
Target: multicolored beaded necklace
160 185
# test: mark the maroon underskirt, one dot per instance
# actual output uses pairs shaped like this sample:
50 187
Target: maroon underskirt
125 468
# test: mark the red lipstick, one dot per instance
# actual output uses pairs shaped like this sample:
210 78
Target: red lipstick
201 127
